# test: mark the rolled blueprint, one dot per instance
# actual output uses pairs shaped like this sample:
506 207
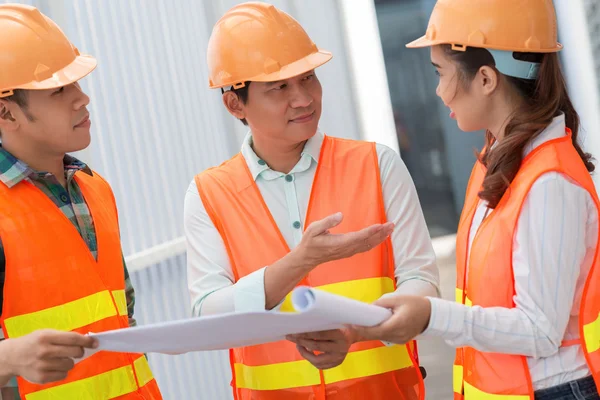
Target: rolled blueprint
337 308
315 310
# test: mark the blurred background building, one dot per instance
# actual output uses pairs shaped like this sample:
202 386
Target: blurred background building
156 124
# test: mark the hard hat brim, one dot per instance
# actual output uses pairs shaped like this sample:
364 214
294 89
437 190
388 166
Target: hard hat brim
291 70
423 41
78 69
420 42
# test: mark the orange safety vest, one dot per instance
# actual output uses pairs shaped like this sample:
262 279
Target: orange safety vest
479 375
56 283
347 180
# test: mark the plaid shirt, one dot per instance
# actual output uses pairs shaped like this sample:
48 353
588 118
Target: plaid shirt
69 200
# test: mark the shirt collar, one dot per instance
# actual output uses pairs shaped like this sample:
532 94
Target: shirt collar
13 170
555 130
257 167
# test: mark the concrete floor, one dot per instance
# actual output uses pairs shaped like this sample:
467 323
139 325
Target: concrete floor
435 355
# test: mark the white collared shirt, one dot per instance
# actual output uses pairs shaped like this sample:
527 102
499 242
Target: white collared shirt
554 246
211 283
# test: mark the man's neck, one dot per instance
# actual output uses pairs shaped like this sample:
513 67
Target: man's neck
39 161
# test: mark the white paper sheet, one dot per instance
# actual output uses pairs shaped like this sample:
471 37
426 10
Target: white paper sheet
316 311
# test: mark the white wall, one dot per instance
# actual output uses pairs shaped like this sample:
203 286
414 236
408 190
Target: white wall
579 62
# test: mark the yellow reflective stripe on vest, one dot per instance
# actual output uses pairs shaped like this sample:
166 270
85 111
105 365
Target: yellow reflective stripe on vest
357 364
276 376
143 371
69 316
370 362
591 335
365 290
457 379
120 301
459 297
108 385
301 373
472 393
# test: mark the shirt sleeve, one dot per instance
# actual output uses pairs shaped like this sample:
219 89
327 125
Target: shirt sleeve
416 270
211 282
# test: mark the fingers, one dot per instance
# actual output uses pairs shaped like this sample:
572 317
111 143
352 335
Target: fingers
367 238
46 377
50 370
55 376
375 238
389 302
70 339
325 246
308 355
56 351
364 234
381 331
323 225
333 341
322 345
375 232
392 330
322 361
58 365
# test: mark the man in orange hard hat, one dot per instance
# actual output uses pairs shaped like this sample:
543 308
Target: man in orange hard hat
297 207
61 266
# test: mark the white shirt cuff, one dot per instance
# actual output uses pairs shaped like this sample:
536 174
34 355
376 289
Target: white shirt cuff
447 318
249 294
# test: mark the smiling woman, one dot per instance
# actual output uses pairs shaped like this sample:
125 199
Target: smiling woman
533 334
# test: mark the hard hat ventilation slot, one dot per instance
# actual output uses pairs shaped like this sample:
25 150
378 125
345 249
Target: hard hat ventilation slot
459 47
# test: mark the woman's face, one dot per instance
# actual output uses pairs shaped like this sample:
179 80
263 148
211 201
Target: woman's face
467 104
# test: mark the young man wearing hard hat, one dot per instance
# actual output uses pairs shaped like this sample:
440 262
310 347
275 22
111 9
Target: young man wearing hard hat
298 207
61 265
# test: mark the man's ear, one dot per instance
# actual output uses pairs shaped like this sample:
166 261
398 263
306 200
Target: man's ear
234 105
8 121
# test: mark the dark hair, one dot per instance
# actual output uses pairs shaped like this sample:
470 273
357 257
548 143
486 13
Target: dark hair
19 97
545 98
242 94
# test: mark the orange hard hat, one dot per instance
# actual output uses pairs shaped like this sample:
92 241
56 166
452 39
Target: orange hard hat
255 41
501 26
35 53
510 25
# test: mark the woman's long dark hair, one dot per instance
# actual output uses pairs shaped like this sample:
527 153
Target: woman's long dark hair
545 98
